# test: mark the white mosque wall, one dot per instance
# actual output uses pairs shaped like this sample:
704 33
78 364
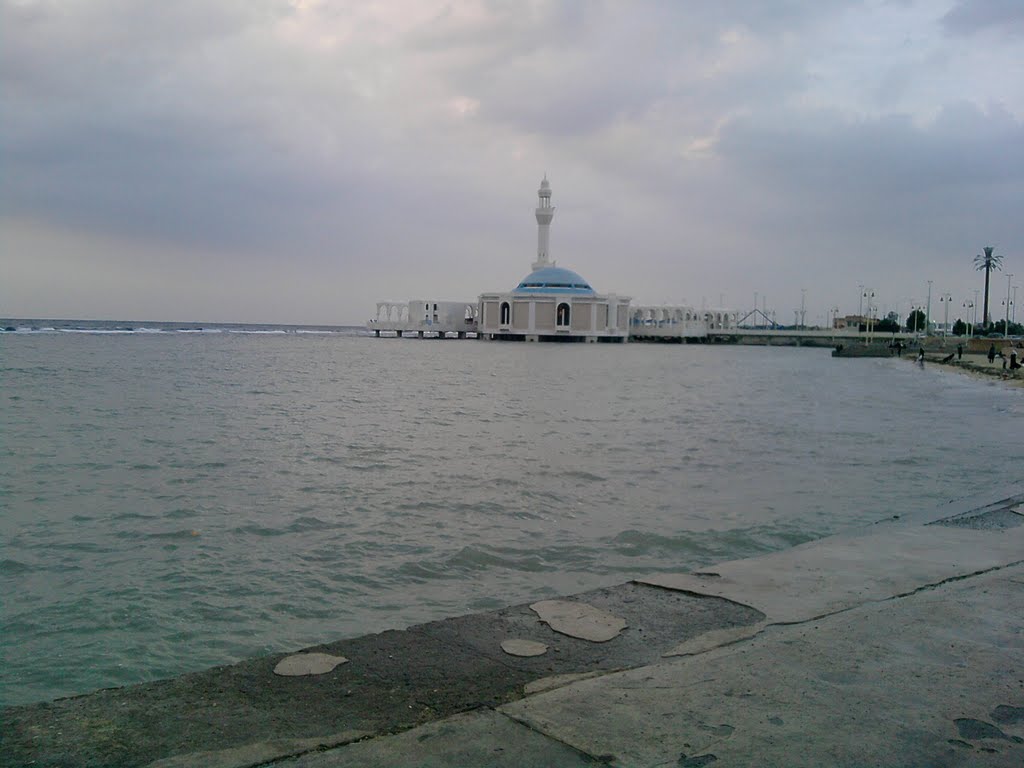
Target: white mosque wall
537 318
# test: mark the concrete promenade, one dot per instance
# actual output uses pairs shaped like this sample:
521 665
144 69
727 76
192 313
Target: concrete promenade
897 644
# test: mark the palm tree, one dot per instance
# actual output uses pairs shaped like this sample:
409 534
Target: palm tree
988 262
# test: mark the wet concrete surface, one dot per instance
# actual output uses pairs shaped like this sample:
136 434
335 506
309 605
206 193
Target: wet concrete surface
932 679
393 681
1008 513
897 643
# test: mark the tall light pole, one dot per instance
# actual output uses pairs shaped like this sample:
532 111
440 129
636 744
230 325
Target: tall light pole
945 299
968 306
870 296
803 308
860 307
928 312
1006 328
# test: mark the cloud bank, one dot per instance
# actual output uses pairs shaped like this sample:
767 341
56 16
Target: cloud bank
295 161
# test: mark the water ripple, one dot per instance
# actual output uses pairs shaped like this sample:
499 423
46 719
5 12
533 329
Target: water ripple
193 498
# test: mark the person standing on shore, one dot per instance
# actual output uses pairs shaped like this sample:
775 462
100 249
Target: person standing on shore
959 352
991 354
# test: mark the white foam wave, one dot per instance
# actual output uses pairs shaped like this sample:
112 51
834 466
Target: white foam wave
99 331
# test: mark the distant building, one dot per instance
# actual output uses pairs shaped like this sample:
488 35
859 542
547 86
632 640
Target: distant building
552 303
853 322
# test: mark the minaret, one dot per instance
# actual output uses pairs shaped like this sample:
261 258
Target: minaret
545 213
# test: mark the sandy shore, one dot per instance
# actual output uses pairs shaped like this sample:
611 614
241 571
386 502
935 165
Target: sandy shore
977 365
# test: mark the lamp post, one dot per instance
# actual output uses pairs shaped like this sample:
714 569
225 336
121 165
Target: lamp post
968 306
928 312
915 310
870 296
945 299
1006 328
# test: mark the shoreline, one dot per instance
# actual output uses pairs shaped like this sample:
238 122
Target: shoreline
887 644
976 365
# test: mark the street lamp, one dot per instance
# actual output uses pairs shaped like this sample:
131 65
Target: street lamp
968 306
945 299
928 312
1006 328
870 296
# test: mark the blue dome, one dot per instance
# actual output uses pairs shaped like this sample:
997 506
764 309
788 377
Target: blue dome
554 280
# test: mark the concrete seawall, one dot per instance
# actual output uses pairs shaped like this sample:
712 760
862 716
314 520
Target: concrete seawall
901 643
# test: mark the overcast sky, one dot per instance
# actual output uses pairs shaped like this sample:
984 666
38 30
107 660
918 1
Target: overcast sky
274 161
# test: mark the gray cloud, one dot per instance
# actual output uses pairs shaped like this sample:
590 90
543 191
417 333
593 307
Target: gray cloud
394 151
968 17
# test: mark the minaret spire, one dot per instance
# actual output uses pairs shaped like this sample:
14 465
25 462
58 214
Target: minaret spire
545 213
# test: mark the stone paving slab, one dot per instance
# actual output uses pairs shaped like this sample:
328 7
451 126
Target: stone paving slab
658 619
481 739
932 679
840 572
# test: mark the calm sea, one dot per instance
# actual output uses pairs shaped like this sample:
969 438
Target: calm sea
179 496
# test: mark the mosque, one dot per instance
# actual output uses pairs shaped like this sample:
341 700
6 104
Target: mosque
551 303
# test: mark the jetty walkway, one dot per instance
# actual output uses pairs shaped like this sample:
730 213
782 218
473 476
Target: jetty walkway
897 644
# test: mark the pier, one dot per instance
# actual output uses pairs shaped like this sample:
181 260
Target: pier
668 324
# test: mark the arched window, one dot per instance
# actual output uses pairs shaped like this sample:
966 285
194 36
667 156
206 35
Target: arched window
562 316
506 313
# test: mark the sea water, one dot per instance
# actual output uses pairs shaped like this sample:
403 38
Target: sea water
180 496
